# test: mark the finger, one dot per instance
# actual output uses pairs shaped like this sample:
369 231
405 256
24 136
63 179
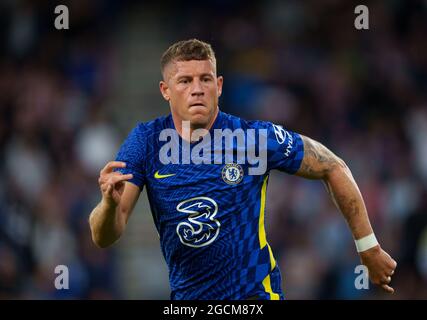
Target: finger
384 280
391 272
394 264
112 165
387 288
118 178
387 280
104 178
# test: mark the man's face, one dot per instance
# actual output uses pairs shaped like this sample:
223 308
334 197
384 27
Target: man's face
192 89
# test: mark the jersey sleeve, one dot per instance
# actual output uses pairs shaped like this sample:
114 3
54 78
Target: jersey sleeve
285 149
132 152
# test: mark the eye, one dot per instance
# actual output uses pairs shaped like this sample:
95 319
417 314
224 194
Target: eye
206 79
184 80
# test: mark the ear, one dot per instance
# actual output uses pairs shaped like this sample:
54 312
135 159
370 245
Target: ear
164 89
219 82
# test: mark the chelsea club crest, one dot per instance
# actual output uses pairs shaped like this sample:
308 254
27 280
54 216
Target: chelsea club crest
232 173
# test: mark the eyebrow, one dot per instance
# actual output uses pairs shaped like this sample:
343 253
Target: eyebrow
201 76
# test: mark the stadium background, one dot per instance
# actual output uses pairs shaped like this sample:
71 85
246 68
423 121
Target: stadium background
69 97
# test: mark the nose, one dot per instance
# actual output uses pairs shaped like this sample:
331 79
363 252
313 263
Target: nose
197 88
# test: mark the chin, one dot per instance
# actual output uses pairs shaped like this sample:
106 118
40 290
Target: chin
199 120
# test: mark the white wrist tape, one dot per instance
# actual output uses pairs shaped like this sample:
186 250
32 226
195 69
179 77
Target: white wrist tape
366 243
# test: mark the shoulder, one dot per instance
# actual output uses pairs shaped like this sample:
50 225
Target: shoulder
145 130
235 122
274 132
157 124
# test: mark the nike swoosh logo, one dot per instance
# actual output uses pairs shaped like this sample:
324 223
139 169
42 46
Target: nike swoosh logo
157 175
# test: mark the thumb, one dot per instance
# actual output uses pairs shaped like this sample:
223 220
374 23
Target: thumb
109 191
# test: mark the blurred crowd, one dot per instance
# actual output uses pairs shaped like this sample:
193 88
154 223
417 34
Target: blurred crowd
55 136
299 64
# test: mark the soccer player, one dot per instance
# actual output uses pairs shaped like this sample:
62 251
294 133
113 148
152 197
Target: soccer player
210 213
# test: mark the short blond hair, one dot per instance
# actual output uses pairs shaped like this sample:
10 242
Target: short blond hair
186 50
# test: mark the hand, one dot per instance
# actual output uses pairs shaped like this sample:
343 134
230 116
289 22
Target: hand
112 183
380 266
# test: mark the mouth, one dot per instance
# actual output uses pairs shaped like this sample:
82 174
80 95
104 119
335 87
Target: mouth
197 104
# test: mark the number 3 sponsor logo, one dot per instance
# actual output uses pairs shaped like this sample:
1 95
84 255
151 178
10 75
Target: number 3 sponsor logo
201 228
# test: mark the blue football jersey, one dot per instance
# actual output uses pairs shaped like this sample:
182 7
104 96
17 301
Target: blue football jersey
210 215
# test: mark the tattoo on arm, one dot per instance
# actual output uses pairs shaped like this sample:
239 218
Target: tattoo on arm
321 163
318 160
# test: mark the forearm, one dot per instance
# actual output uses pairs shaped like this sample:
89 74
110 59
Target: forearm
105 224
321 163
347 197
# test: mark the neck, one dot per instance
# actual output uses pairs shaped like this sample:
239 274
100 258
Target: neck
178 124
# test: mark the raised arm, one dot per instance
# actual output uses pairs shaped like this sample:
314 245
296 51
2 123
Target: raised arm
321 163
109 218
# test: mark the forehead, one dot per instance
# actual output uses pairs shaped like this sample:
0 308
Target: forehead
189 68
